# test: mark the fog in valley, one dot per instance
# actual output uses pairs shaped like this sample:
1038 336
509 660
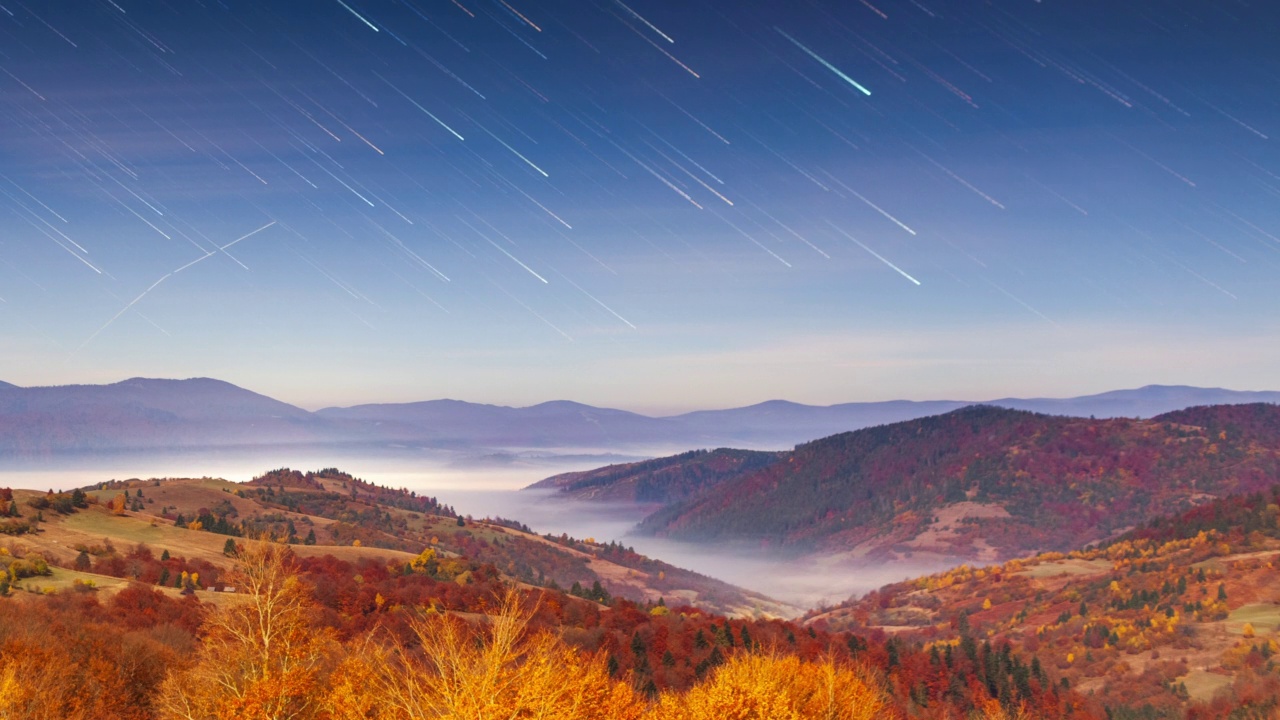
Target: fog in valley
489 484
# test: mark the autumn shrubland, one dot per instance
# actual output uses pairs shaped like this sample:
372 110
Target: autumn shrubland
297 640
322 637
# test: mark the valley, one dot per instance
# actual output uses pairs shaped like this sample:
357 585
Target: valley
1106 565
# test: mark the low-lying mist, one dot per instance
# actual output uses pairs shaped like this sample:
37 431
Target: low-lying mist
488 484
803 582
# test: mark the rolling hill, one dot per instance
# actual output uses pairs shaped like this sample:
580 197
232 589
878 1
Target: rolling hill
108 590
659 482
332 513
977 484
1183 609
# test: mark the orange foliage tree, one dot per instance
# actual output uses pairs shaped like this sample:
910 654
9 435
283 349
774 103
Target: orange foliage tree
495 669
262 657
772 687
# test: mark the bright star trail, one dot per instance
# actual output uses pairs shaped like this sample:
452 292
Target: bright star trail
651 204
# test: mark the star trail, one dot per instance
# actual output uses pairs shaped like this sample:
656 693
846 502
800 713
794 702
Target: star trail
652 204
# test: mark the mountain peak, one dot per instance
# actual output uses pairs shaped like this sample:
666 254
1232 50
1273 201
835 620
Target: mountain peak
178 382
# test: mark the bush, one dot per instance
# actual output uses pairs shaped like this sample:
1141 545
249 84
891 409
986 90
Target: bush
15 527
29 567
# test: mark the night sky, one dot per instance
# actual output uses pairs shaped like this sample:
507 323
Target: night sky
656 205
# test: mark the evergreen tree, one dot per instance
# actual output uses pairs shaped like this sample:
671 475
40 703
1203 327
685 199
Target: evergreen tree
700 640
637 645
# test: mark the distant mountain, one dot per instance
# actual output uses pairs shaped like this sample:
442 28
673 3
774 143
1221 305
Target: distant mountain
550 424
145 414
662 481
980 483
142 413
1143 402
778 423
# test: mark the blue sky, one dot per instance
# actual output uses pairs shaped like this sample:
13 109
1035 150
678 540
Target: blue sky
652 205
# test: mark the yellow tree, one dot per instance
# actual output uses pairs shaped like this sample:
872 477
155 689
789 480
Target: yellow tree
495 670
261 656
769 687
15 696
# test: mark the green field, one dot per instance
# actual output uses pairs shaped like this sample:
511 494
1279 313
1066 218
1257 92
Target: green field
1265 618
1067 567
63 579
1203 685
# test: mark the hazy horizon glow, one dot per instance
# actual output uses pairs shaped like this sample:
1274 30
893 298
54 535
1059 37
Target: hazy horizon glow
513 203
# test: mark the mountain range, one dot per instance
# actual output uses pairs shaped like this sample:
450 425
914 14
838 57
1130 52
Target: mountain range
142 414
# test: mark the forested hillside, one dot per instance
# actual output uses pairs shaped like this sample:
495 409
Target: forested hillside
1177 618
129 601
984 483
97 528
329 639
661 481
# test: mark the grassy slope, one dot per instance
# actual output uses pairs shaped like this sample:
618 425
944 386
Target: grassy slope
1165 641
505 547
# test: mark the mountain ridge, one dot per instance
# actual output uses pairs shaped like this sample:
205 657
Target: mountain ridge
977 484
148 413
